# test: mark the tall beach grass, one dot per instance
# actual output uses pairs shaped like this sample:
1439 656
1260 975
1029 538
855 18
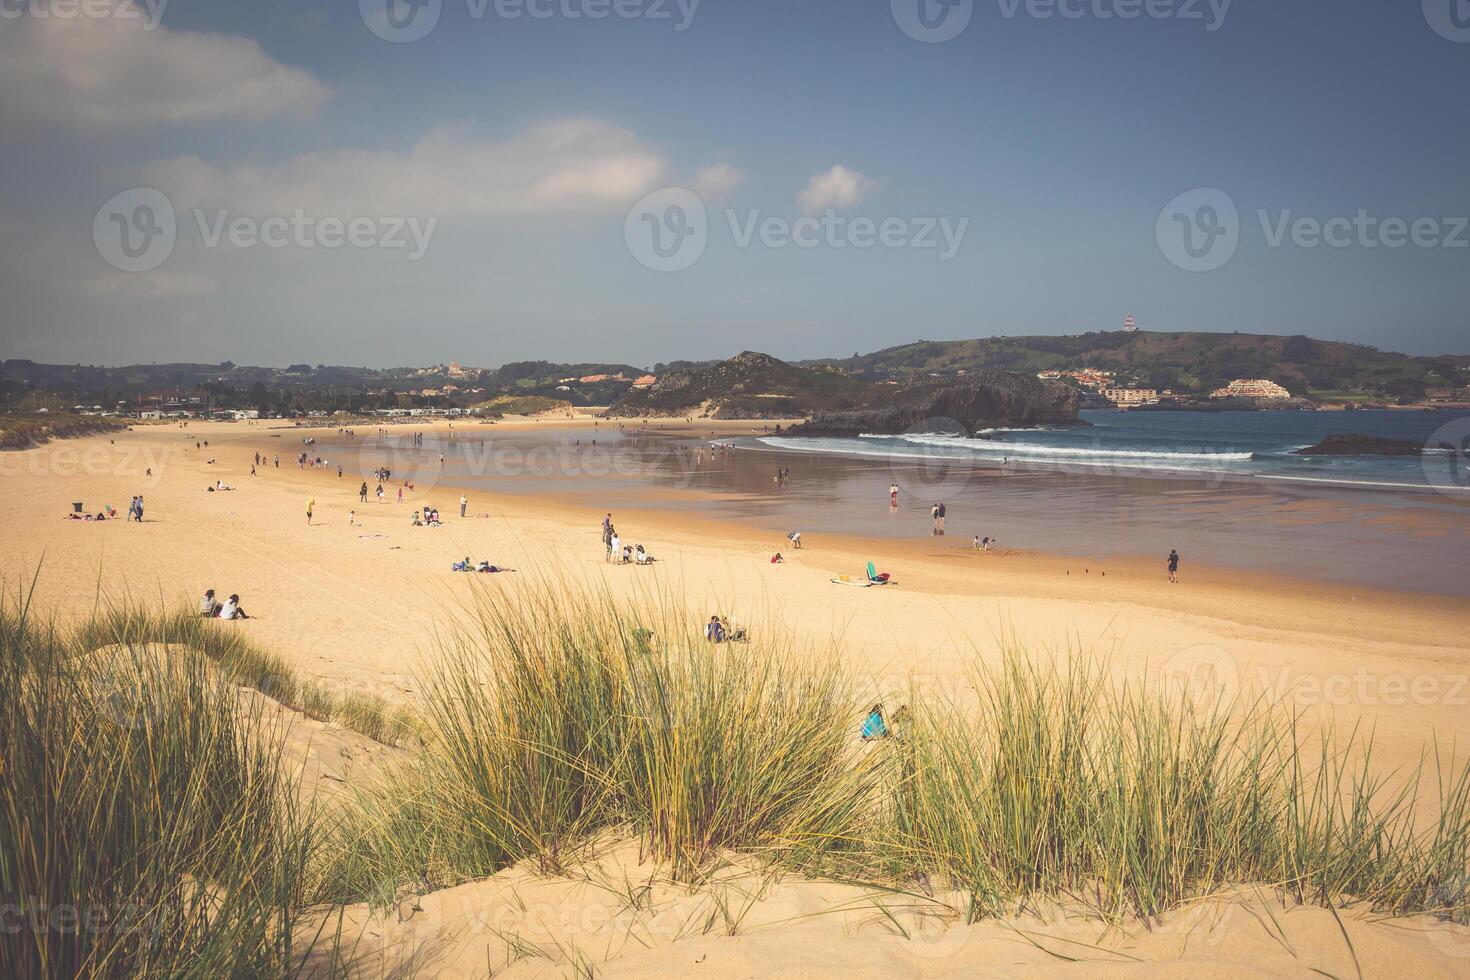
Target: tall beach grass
562 716
227 645
1061 782
147 824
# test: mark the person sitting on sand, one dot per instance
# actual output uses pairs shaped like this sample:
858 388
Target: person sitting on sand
776 559
208 607
873 725
232 610
714 630
416 521
642 557
734 632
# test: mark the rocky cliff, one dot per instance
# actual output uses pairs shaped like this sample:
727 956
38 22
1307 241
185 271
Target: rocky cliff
758 386
987 399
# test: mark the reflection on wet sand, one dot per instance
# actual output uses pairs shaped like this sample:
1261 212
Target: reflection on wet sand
1404 540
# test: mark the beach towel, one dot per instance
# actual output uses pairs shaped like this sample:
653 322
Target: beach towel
873 726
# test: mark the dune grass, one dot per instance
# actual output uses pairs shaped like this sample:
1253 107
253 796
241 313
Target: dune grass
559 717
149 827
1058 782
228 647
564 716
141 790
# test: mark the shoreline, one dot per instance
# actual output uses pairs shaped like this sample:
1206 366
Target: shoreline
357 608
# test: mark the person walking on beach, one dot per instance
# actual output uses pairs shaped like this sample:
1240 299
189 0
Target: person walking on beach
939 516
362 492
934 513
463 503
614 547
400 495
278 460
1173 566
380 493
139 514
310 506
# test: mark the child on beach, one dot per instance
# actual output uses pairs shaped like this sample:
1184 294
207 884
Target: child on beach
310 506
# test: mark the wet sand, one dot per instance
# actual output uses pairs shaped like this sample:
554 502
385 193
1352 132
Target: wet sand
1394 540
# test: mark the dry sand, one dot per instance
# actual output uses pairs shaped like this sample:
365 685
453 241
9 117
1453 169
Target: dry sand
356 606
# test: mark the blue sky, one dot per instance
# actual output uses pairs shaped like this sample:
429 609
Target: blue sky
519 146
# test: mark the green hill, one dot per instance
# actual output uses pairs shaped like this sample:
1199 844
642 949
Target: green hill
748 385
1186 362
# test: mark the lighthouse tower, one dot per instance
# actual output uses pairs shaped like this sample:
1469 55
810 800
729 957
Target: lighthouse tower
1129 326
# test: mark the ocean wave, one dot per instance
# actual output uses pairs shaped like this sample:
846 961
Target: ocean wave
1028 449
1019 451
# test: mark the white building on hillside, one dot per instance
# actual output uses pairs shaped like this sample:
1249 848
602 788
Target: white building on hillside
1251 388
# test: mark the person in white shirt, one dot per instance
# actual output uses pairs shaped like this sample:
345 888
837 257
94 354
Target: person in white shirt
615 548
231 609
463 503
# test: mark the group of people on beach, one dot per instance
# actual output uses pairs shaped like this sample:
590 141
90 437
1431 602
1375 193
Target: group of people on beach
618 553
468 565
720 630
211 608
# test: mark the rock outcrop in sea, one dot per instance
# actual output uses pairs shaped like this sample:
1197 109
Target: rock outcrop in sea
1358 444
984 400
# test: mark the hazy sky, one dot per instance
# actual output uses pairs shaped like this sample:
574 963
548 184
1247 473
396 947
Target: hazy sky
378 183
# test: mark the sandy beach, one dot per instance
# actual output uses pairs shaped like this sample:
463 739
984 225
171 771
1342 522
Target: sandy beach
356 604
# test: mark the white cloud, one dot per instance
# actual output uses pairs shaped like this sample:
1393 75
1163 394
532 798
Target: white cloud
715 182
836 189
94 75
563 164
